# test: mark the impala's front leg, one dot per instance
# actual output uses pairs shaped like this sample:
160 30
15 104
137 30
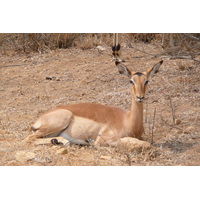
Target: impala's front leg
107 138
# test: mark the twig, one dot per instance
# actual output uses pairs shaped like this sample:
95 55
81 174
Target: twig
196 117
144 52
178 57
34 63
170 125
128 159
172 109
167 81
186 46
154 117
17 65
191 36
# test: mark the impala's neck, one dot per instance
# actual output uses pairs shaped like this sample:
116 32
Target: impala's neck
136 119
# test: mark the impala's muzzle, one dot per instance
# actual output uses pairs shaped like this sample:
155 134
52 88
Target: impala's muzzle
140 99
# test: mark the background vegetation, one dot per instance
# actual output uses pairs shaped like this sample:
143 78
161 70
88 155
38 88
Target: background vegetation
180 45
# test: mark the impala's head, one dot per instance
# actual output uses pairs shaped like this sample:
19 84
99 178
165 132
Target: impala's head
138 80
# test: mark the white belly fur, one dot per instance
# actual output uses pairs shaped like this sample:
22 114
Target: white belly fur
81 129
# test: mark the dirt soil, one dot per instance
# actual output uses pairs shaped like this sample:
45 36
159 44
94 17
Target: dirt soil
32 84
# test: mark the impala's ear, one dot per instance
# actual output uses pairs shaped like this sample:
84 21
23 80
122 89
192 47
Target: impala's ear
153 70
123 69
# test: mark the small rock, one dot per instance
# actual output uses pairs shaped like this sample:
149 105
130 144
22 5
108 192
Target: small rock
24 156
177 121
62 151
55 147
50 78
179 132
100 48
105 157
12 163
182 67
42 160
82 148
189 129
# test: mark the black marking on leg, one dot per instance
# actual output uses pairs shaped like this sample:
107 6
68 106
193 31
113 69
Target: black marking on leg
89 140
54 142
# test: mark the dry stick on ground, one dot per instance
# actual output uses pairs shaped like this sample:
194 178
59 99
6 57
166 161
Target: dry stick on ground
153 123
150 54
170 125
191 36
128 156
172 109
195 121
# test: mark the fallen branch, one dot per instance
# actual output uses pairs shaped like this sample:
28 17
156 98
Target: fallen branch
178 57
191 36
17 65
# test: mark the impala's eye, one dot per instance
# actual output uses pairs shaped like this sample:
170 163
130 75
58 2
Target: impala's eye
146 82
131 82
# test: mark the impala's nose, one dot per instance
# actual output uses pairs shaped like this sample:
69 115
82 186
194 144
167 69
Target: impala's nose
140 99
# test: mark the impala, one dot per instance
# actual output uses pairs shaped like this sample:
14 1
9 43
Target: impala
105 125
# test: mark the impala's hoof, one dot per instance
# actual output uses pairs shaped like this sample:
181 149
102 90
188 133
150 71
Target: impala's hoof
89 141
54 142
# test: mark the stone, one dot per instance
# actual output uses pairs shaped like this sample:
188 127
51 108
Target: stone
177 121
24 156
106 157
42 160
189 129
12 163
100 48
62 151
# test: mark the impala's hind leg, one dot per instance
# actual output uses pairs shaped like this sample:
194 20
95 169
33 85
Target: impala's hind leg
50 124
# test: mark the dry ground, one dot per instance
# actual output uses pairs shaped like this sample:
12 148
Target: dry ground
31 84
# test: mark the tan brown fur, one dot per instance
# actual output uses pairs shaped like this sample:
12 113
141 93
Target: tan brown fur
97 112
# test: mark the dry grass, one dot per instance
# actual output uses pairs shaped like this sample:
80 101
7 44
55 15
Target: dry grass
186 46
43 42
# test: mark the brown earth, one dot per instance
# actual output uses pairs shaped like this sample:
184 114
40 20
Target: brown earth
31 84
